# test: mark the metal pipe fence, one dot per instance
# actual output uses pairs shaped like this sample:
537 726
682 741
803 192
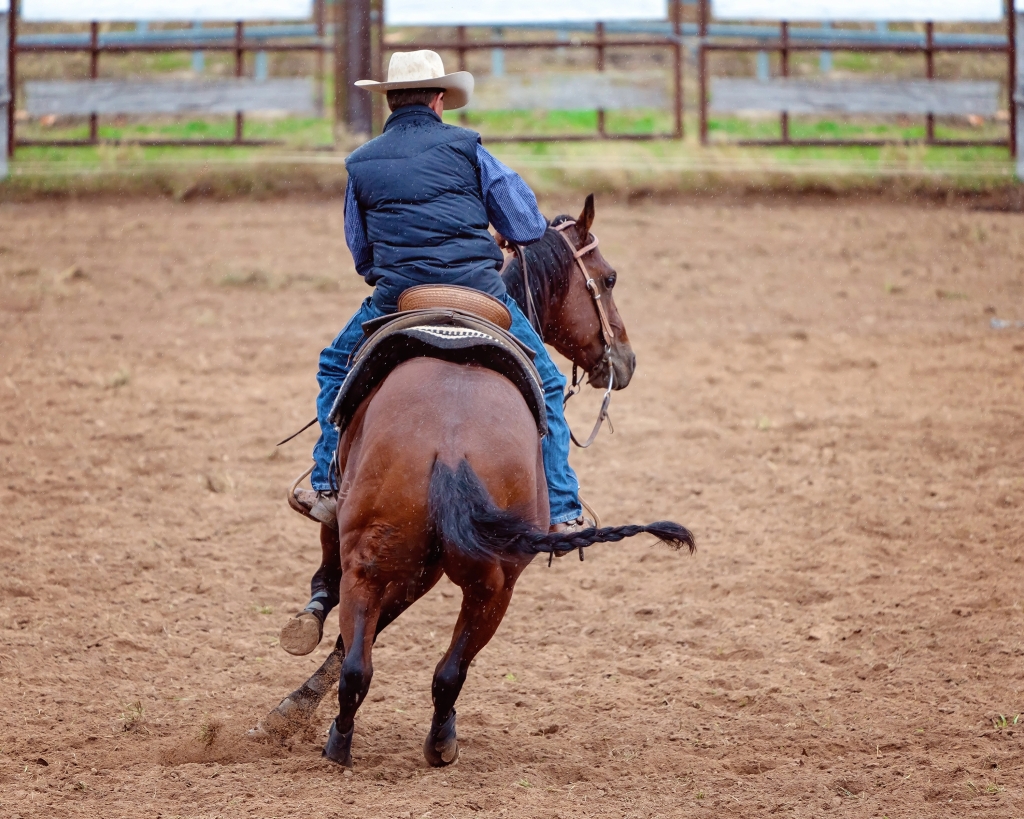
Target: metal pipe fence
238 40
321 37
927 45
597 41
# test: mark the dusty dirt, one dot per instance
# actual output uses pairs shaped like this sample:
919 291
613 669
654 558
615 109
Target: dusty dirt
820 396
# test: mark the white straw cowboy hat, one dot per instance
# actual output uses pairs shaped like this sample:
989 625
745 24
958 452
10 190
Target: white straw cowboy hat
423 69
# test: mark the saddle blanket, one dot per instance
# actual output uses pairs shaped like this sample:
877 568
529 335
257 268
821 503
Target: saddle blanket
446 334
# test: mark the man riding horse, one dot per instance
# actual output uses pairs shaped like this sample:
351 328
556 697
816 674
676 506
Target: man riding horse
419 201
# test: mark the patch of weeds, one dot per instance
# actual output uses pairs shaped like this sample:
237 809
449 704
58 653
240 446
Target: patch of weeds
764 423
524 783
122 378
1001 722
75 273
206 318
322 284
950 295
894 289
208 732
976 790
510 677
701 794
264 609
256 279
219 483
325 284
133 718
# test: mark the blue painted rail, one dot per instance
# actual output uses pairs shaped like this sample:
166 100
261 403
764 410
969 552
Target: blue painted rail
827 37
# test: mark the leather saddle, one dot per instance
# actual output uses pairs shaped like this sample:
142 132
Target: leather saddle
446 322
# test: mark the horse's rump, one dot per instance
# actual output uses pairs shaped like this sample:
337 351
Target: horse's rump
426 413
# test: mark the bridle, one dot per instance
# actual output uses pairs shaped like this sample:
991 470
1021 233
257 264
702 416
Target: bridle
607 335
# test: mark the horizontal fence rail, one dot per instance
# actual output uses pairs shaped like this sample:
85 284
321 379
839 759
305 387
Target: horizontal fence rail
830 37
113 97
798 96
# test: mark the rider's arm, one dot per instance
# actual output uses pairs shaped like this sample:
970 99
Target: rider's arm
511 205
355 232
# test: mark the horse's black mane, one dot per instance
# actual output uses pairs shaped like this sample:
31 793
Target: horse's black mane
549 263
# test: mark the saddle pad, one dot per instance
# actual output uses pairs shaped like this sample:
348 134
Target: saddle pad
448 335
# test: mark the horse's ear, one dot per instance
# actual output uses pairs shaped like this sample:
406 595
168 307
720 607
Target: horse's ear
586 219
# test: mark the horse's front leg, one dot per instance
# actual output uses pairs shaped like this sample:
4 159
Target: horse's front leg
484 603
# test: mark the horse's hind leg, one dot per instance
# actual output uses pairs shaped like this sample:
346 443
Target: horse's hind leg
360 609
297 709
483 606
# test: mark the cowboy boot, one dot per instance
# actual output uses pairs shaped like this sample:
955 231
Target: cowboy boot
319 506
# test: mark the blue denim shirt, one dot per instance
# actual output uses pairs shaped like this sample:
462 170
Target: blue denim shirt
511 207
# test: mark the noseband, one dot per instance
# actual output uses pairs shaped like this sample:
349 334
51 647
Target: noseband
607 335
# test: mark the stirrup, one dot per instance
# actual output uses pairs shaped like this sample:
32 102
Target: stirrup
301 508
293 501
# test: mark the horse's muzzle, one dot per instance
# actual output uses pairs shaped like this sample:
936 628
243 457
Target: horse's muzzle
621 361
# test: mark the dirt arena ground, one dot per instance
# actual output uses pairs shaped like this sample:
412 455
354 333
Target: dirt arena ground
821 395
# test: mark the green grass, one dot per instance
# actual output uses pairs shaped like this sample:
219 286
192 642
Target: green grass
292 131
558 123
622 167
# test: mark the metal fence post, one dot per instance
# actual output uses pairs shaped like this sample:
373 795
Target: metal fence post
239 68
784 59
1018 118
599 48
1013 31
318 19
677 67
94 72
359 113
5 97
929 70
702 71
340 67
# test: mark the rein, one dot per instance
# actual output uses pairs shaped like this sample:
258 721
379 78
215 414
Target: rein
606 335
606 328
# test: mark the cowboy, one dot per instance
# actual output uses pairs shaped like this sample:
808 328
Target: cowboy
417 207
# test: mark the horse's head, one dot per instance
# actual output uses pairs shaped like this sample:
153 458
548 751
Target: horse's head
573 321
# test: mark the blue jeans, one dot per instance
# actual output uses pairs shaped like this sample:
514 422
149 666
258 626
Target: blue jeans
335 361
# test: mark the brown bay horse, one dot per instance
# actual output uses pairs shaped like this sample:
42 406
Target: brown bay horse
442 474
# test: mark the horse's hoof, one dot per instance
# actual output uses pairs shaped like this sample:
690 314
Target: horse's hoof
302 634
339 746
281 723
442 746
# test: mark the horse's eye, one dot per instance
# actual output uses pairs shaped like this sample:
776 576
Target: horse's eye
609 281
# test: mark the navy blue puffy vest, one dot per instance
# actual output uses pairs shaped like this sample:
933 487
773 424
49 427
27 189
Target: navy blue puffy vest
418 187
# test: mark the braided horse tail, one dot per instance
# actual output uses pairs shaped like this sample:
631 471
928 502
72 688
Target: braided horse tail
669 533
466 520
